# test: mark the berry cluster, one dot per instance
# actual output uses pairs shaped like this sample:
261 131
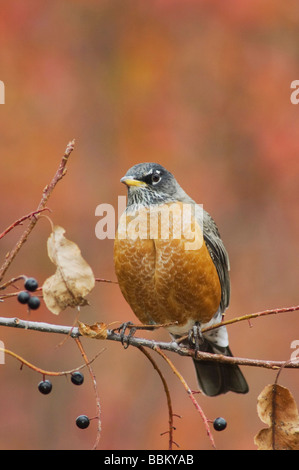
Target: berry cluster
25 297
77 378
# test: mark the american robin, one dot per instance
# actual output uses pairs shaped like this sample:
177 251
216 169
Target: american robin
168 277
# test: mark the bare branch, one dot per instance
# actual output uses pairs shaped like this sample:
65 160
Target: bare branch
61 171
19 221
190 394
44 372
40 326
137 342
170 412
94 382
250 316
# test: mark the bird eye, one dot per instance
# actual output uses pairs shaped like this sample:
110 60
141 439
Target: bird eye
156 178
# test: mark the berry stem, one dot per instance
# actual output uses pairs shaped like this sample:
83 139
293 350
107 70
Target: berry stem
42 371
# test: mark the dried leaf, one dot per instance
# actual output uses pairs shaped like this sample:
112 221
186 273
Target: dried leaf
96 331
277 408
73 278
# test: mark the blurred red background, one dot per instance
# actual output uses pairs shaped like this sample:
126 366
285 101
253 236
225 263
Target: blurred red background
201 87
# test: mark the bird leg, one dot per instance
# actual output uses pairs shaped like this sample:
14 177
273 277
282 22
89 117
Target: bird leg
195 337
125 339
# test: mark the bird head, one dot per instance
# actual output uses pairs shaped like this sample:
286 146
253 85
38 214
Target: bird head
151 183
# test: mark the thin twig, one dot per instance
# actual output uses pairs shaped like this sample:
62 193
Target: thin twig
248 317
273 311
61 171
46 372
13 281
283 366
19 221
94 382
99 279
190 394
170 413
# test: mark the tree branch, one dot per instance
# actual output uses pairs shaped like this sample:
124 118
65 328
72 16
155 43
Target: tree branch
250 316
170 412
61 171
94 382
190 394
44 372
21 220
137 342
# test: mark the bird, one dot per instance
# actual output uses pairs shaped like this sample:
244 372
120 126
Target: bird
173 270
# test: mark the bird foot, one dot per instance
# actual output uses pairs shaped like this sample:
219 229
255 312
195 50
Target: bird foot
195 337
125 338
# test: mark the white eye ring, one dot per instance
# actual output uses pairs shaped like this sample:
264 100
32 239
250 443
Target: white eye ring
156 178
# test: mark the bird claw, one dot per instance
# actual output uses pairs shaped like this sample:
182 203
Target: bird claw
125 339
195 337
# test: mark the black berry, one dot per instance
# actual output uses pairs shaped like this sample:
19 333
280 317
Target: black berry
33 303
77 378
31 284
82 421
45 387
23 297
219 424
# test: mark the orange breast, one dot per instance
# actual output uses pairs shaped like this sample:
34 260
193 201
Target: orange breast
165 279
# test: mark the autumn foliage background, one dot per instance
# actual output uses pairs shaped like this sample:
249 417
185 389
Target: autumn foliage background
202 87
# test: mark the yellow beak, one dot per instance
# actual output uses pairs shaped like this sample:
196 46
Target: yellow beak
132 182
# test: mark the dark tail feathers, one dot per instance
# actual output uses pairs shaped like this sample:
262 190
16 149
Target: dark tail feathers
215 378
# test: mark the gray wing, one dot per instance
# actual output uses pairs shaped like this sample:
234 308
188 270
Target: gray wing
219 256
215 246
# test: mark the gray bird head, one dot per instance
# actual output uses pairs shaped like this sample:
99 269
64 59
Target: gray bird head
150 183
